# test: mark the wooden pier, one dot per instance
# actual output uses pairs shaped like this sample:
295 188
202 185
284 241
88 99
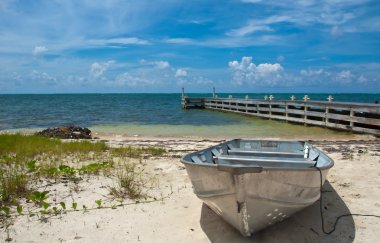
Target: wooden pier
356 117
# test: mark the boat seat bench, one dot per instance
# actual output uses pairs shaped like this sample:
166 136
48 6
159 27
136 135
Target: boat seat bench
265 153
265 161
197 160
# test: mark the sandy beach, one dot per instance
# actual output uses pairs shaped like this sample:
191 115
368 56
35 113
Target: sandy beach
172 212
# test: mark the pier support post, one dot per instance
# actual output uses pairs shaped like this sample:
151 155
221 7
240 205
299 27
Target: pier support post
286 111
184 106
326 116
305 98
352 113
305 114
270 110
257 107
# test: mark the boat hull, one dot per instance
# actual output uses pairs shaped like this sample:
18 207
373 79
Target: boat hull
255 200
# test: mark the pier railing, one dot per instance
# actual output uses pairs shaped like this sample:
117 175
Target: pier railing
357 117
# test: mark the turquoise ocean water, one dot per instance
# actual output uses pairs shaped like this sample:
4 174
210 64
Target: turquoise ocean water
151 114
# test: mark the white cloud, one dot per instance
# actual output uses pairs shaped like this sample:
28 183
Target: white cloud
180 73
345 77
314 72
255 25
333 76
178 41
118 41
42 77
162 64
231 41
345 74
305 13
97 69
249 29
39 50
156 64
362 79
246 72
127 79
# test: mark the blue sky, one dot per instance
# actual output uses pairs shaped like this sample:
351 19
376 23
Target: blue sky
64 46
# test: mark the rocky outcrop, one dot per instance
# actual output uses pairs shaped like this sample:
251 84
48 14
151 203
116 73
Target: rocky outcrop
67 132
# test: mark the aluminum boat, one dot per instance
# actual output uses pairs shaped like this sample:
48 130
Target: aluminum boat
253 184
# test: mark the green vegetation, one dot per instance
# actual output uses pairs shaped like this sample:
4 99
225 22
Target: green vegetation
21 147
129 183
138 152
25 159
12 184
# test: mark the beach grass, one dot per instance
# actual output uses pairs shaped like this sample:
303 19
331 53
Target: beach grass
138 152
25 159
22 147
129 182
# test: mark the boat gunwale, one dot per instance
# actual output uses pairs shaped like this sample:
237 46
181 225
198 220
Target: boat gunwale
263 168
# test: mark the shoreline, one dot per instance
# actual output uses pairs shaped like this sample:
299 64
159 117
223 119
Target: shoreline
117 135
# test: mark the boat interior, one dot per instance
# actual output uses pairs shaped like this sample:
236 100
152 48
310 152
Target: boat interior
261 153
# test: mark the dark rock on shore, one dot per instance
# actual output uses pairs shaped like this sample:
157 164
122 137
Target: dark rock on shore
67 132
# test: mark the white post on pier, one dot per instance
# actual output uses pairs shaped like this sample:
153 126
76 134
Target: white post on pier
329 98
293 98
183 92
271 97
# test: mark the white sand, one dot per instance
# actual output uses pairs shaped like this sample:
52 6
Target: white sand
353 187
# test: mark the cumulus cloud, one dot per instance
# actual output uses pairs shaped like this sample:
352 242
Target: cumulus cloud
180 73
247 72
97 69
38 50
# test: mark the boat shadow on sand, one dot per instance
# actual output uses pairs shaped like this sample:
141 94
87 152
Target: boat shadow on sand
304 226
